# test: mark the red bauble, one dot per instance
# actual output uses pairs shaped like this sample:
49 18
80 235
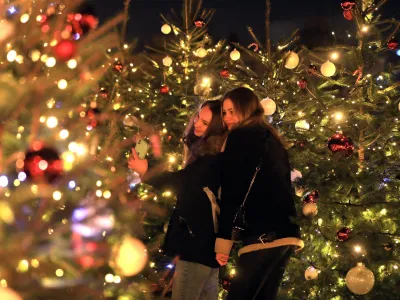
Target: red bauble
343 234
65 50
312 69
392 44
341 143
224 73
92 115
118 67
225 283
42 164
302 83
199 23
311 197
348 4
164 89
348 15
89 254
103 93
80 24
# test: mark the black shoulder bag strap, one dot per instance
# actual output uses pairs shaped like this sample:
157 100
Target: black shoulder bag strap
239 221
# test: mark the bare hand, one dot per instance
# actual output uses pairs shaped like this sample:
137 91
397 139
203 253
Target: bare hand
222 259
138 165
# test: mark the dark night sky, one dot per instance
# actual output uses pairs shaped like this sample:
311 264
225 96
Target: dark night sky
232 16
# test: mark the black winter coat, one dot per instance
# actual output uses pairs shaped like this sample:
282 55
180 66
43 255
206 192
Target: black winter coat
270 204
190 232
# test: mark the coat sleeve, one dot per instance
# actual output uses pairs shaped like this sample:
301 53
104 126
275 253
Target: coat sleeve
161 179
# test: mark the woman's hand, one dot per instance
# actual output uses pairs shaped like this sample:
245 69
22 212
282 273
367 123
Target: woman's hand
138 165
222 259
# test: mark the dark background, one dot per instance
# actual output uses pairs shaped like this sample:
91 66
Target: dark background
232 16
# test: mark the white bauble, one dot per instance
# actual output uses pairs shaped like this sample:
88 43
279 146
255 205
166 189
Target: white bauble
310 209
295 174
166 29
129 257
6 30
167 61
360 280
302 125
235 54
201 52
292 60
328 69
269 106
311 273
8 294
130 121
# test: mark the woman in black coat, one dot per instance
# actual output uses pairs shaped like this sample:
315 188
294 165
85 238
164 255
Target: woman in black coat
193 225
270 236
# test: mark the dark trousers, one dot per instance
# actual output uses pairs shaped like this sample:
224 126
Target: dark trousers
259 274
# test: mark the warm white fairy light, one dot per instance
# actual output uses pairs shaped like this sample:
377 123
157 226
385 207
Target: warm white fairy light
59 272
52 122
107 194
51 62
57 195
11 55
81 150
357 248
338 116
64 134
109 278
24 18
43 58
73 147
117 279
72 63
62 84
35 55
334 55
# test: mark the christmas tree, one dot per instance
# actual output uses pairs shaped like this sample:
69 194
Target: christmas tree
338 108
69 224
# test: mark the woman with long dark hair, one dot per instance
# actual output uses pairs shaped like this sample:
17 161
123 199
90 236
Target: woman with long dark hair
255 177
193 225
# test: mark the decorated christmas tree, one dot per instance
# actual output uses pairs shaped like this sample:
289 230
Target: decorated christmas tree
69 224
338 108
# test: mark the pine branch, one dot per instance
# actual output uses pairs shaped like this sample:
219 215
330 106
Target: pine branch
268 28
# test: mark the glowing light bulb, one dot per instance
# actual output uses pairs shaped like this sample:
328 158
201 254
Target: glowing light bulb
51 62
62 84
57 195
72 64
52 122
64 134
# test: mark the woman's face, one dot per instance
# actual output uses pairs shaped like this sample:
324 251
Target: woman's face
202 120
230 117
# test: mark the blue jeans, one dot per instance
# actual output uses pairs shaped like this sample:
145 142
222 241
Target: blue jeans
193 281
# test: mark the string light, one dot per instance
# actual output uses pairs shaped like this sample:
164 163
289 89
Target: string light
334 55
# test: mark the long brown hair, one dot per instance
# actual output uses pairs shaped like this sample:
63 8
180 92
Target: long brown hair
211 141
247 105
